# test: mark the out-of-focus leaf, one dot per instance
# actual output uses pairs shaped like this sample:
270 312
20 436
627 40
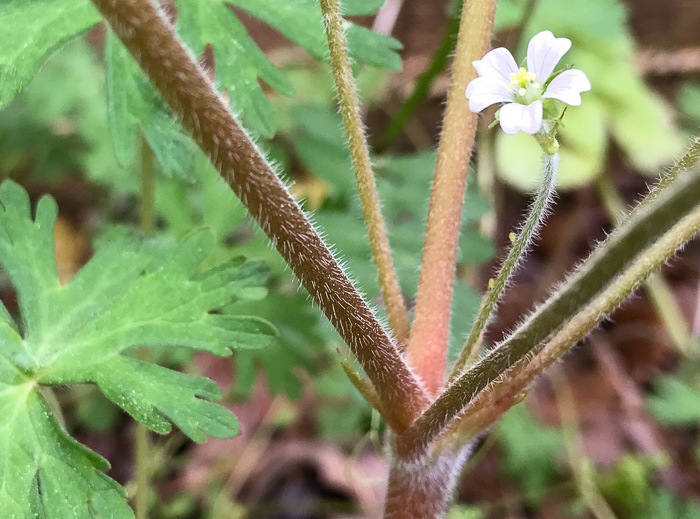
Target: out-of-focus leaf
583 137
135 107
530 450
31 31
665 505
240 63
689 100
674 402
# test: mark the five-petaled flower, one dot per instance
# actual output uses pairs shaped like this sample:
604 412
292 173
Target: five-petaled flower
501 81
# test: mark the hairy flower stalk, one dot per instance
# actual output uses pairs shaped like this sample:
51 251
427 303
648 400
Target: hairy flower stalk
359 151
523 240
185 87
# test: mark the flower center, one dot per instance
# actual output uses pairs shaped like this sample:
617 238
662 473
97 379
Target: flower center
524 87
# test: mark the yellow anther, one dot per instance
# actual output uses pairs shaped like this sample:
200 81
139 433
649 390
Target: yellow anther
491 283
521 79
511 236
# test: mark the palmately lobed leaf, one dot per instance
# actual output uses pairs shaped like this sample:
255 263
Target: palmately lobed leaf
133 292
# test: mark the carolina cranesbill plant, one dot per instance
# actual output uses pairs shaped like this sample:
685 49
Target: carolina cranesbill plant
433 416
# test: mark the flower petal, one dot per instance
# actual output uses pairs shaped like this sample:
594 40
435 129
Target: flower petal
497 65
483 92
515 117
544 52
567 87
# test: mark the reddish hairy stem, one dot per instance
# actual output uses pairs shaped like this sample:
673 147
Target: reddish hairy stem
427 349
423 489
152 40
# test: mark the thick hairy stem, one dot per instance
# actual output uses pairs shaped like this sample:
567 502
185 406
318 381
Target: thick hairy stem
427 349
151 39
521 244
359 151
603 278
423 489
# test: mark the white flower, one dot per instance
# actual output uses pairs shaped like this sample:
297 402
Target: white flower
501 81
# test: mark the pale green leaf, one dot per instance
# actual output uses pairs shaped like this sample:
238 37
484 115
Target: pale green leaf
674 402
31 31
135 108
583 138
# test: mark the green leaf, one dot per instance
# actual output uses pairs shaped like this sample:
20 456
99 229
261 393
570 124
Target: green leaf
674 402
45 473
531 450
689 100
136 108
131 293
240 64
361 7
31 31
58 124
583 139
377 50
665 505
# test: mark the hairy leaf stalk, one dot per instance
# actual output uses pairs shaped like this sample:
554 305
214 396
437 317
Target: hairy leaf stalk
185 87
506 390
359 151
427 349
521 244
642 241
656 287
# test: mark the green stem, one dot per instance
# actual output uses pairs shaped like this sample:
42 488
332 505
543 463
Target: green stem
185 87
422 87
147 216
646 239
359 151
580 463
142 445
142 471
656 287
427 349
521 244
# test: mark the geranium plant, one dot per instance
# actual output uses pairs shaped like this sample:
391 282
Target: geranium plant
159 294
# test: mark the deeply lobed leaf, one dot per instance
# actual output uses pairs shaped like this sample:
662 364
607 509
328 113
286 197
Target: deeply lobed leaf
131 293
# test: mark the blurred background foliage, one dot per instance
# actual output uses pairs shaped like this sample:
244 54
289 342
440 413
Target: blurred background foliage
630 447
